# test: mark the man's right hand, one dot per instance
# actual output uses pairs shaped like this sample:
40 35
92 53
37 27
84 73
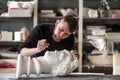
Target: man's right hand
41 45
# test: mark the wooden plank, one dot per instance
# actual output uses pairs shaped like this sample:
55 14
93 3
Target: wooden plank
87 73
35 13
7 70
80 34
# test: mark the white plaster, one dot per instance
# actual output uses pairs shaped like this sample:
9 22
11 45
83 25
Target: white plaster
57 63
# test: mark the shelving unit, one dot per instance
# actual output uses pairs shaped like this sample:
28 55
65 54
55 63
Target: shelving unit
9 49
111 23
16 23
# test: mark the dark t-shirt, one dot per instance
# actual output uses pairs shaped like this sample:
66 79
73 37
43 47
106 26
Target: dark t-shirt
45 31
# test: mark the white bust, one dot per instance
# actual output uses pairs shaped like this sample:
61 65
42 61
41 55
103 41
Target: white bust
58 63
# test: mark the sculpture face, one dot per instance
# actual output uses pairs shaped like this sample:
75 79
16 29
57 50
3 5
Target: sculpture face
55 57
62 62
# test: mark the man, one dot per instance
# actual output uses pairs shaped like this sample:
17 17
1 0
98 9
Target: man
46 37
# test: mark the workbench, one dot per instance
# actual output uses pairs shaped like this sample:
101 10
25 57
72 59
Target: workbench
69 77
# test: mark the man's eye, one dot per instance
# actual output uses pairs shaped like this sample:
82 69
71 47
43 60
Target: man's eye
62 30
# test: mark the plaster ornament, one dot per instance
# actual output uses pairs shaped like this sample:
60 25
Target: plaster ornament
58 63
24 33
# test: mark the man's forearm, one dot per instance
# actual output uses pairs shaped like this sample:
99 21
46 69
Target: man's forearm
28 51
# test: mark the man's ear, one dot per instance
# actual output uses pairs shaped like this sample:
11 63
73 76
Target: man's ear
57 21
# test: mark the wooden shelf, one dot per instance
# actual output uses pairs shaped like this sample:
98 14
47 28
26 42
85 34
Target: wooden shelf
10 43
49 18
101 21
98 69
14 18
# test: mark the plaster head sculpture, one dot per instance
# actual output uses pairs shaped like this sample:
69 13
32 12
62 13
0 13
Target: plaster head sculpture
58 63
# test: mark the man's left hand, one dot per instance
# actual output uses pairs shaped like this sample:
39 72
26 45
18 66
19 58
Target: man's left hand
74 52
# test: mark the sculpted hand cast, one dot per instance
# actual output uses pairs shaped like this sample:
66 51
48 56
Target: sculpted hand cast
58 63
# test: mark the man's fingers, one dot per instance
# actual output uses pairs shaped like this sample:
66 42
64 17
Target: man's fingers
43 43
74 52
47 45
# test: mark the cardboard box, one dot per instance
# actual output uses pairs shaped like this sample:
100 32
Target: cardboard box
20 12
101 60
6 36
116 64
